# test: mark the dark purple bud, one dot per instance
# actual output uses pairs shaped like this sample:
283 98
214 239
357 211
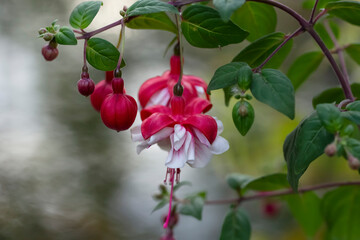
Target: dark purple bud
330 150
86 86
49 52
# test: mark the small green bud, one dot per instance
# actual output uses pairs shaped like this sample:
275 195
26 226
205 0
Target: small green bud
330 149
243 116
245 78
48 36
42 31
122 13
163 189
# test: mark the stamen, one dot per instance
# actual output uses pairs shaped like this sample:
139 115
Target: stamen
172 175
178 175
166 175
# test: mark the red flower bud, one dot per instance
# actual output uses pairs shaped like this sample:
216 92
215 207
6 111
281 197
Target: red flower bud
118 111
102 90
86 86
49 52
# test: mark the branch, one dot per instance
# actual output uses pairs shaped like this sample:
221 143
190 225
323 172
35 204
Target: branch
97 31
278 193
313 11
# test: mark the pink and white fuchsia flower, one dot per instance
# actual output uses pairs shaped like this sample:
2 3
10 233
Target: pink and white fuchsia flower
159 90
189 136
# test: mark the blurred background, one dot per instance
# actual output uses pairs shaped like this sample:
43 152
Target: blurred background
65 176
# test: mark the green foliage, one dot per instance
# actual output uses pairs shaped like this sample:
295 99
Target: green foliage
335 95
143 7
341 211
243 116
354 52
353 146
330 117
230 74
237 181
303 145
101 54
323 33
236 226
257 18
84 13
194 205
227 7
65 36
306 210
309 4
203 27
273 88
256 53
303 67
181 184
161 204
159 21
346 10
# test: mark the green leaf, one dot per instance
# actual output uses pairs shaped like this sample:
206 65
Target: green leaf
353 112
243 116
180 184
309 4
257 18
159 21
303 145
303 67
227 7
161 204
203 27
65 36
353 146
256 53
270 182
143 7
341 211
335 95
84 13
229 92
236 180
194 206
306 210
346 10
354 52
273 88
323 33
354 106
230 74
330 117
236 226
101 54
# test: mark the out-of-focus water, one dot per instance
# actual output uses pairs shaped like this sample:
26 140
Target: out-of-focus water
64 175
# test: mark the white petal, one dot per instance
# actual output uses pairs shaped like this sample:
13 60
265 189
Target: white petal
201 137
219 146
136 135
176 159
220 126
161 97
141 147
190 146
160 135
200 91
202 155
179 136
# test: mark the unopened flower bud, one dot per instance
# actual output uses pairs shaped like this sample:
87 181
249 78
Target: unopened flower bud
86 86
48 36
354 163
174 219
330 149
122 13
271 209
42 31
49 52
102 90
125 8
178 90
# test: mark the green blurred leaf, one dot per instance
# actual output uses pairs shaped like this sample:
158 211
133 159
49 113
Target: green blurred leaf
203 27
84 14
229 92
273 88
303 145
143 7
270 182
306 210
257 18
161 204
354 106
354 52
230 74
353 116
102 55
159 21
335 95
303 67
256 53
65 36
194 206
243 116
330 117
227 7
236 226
236 180
341 211
353 146
346 10
181 184
309 4
323 33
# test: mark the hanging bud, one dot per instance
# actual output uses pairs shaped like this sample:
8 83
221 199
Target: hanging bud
271 208
86 86
42 31
49 52
48 36
102 90
330 149
118 111
354 163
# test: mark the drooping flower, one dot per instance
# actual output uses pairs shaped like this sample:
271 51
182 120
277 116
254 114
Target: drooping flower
102 90
189 136
159 90
49 52
118 111
85 85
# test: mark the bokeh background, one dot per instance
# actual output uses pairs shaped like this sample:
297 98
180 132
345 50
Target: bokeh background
65 176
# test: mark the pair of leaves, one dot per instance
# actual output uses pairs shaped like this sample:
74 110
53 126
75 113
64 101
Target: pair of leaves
353 112
303 145
330 116
194 205
236 226
346 10
65 36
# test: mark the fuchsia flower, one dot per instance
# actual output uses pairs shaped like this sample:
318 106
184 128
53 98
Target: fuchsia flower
159 90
